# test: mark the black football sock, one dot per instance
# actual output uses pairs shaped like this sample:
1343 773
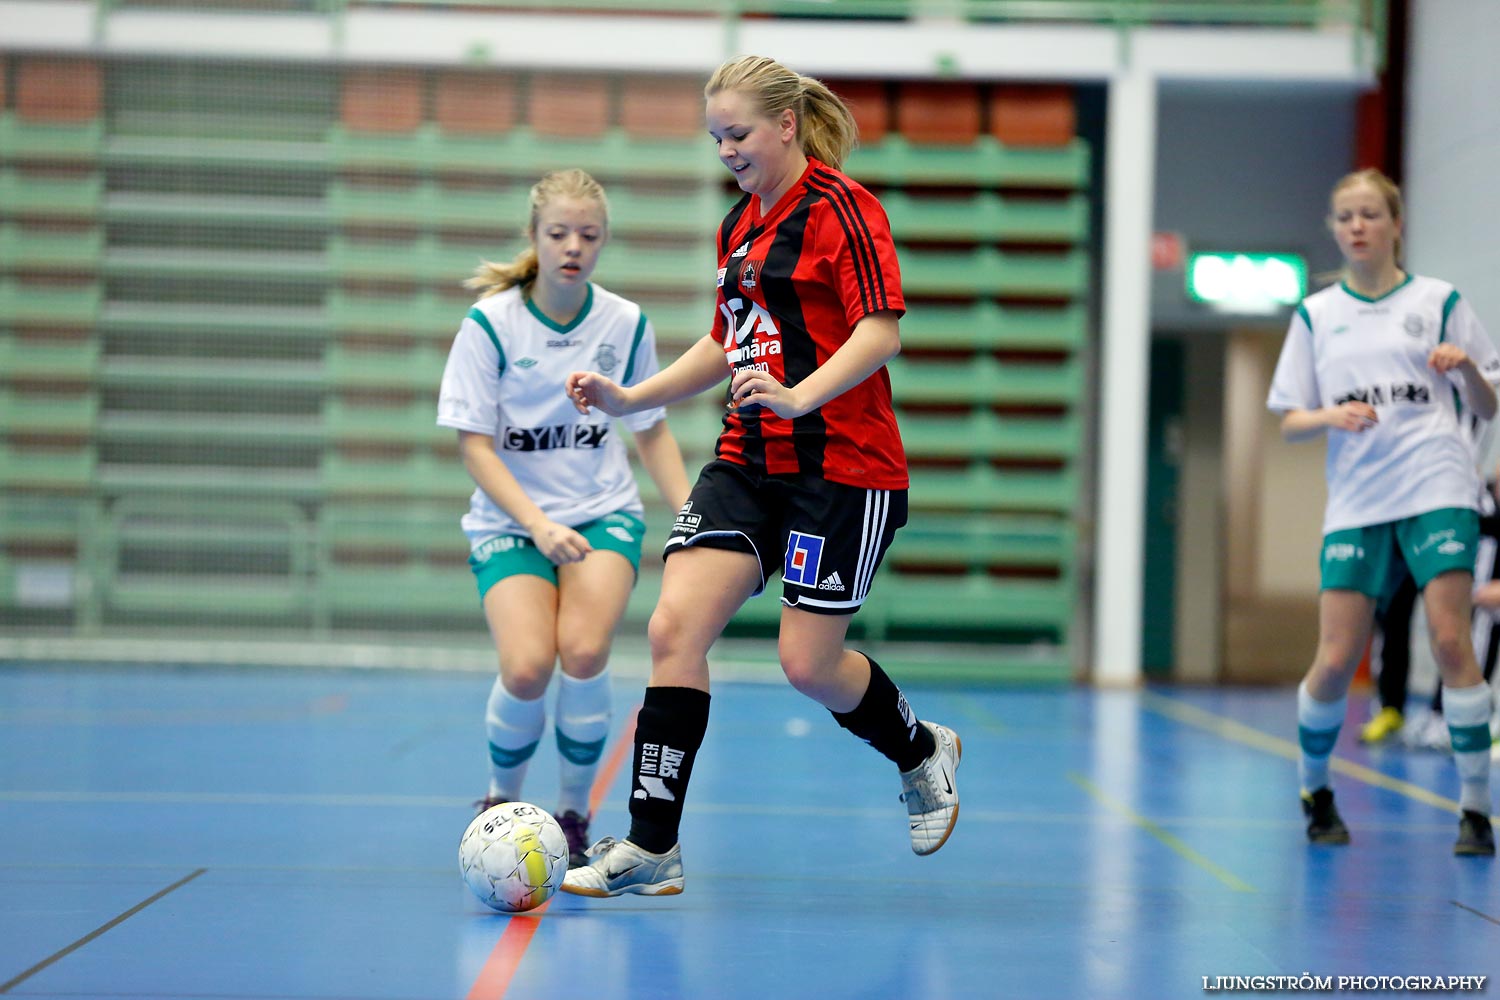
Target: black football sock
668 732
884 720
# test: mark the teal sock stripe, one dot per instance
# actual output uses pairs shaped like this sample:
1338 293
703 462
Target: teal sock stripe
577 751
1470 739
1317 742
502 757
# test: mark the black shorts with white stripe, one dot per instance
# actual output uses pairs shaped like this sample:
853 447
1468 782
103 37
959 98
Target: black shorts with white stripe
826 539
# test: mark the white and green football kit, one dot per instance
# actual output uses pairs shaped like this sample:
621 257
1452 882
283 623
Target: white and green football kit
1419 457
505 378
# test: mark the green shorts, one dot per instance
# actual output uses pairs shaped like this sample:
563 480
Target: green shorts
1373 559
500 556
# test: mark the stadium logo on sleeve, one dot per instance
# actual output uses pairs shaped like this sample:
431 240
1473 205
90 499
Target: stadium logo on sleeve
803 553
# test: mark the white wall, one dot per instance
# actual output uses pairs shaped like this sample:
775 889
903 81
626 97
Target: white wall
1452 181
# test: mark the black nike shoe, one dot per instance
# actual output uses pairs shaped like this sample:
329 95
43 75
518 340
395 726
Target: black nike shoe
1324 824
1475 836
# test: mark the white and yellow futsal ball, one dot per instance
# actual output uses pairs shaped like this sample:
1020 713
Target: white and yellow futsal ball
513 856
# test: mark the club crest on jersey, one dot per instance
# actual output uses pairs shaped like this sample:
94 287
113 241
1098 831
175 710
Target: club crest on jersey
606 359
744 248
749 272
1414 325
803 553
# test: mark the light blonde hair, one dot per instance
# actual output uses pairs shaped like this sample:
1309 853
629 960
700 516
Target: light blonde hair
491 277
826 129
1387 188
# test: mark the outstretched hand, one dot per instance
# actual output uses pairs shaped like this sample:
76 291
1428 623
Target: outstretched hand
590 389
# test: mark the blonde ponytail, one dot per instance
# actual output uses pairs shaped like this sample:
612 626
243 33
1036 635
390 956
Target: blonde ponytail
492 278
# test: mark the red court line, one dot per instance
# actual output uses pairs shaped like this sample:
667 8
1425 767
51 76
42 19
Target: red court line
494 979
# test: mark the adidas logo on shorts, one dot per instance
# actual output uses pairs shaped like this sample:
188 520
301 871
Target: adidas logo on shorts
832 582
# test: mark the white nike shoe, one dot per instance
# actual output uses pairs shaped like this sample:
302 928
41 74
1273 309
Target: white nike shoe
618 867
930 792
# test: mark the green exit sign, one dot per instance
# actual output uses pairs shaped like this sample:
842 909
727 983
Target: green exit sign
1247 282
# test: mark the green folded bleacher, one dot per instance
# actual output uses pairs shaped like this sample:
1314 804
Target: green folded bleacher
50 468
35 248
48 413
895 161
51 142
522 152
986 215
980 435
34 194
414 475
208 482
403 369
413 423
44 536
984 381
389 313
192 264
175 208
229 429
207 323
279 379
976 606
173 560
203 153
984 326
426 203
395 563
65 360
994 273
982 543
227 297
985 489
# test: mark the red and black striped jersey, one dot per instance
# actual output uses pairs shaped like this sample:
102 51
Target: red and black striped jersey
792 286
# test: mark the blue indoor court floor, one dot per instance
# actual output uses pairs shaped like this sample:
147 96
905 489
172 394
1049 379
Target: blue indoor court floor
239 833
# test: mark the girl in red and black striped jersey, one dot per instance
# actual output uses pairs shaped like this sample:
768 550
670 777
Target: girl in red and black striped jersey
809 477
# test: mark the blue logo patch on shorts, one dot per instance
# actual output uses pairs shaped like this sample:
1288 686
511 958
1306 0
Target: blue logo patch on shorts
803 553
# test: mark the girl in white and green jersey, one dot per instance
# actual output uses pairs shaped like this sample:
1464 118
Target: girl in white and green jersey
1390 365
556 523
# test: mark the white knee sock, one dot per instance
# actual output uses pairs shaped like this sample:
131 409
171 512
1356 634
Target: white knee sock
583 715
1318 725
514 727
1467 711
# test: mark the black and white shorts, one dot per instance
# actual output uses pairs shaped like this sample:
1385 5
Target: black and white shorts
825 538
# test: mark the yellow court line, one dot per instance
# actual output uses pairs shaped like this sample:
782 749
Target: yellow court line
1230 879
1238 732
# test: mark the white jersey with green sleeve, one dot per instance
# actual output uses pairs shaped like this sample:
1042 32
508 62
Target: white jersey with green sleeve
1343 347
505 377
